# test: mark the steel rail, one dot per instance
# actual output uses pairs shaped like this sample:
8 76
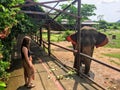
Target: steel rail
53 7
65 68
36 3
59 63
36 12
64 9
114 68
32 4
73 68
73 15
93 81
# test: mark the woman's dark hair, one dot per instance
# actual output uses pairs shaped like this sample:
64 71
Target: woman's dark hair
26 42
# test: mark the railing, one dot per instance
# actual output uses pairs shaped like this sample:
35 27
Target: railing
82 54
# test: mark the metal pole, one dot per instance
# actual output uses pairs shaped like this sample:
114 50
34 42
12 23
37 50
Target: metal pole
49 39
40 40
64 9
79 36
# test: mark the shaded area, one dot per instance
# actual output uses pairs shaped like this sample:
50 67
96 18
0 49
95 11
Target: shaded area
42 81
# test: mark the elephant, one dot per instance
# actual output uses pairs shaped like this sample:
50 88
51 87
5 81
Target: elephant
89 39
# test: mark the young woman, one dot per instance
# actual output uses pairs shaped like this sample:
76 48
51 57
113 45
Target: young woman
29 70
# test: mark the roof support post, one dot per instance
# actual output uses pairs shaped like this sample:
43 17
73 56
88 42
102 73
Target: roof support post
48 34
78 38
40 40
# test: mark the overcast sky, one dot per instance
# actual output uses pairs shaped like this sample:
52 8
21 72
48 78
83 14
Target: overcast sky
109 8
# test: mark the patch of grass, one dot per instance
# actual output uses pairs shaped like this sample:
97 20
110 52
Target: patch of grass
114 55
115 62
113 43
55 37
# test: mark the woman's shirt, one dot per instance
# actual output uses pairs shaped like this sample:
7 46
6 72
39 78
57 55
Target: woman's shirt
22 54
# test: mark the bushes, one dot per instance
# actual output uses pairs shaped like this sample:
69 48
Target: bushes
5 52
4 65
2 85
64 35
4 62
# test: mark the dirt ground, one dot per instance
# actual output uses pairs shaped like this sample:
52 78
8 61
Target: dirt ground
101 74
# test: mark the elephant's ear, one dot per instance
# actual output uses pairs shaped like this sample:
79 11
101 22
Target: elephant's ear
101 40
72 38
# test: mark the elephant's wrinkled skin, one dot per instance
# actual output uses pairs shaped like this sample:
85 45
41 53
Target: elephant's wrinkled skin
90 37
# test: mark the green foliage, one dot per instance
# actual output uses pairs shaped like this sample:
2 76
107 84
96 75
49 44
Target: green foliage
115 27
7 19
4 65
58 37
114 55
65 34
113 43
26 24
102 24
86 11
2 85
7 14
7 45
72 10
5 52
54 39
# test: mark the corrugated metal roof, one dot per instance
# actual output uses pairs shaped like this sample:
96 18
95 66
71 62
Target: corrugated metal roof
89 22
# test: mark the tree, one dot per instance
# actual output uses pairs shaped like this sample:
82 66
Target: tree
100 17
86 11
103 24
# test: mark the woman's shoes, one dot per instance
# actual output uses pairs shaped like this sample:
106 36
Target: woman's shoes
31 85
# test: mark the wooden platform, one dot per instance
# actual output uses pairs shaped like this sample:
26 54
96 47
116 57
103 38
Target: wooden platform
50 74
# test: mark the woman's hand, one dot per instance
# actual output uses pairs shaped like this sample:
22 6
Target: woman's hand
30 58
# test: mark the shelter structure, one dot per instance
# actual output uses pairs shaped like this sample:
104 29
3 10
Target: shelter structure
34 10
89 23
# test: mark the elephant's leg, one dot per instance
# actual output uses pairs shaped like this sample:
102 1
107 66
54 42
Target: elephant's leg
87 63
77 63
89 51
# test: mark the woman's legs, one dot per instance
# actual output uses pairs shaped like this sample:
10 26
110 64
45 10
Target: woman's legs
33 73
29 75
25 75
29 80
